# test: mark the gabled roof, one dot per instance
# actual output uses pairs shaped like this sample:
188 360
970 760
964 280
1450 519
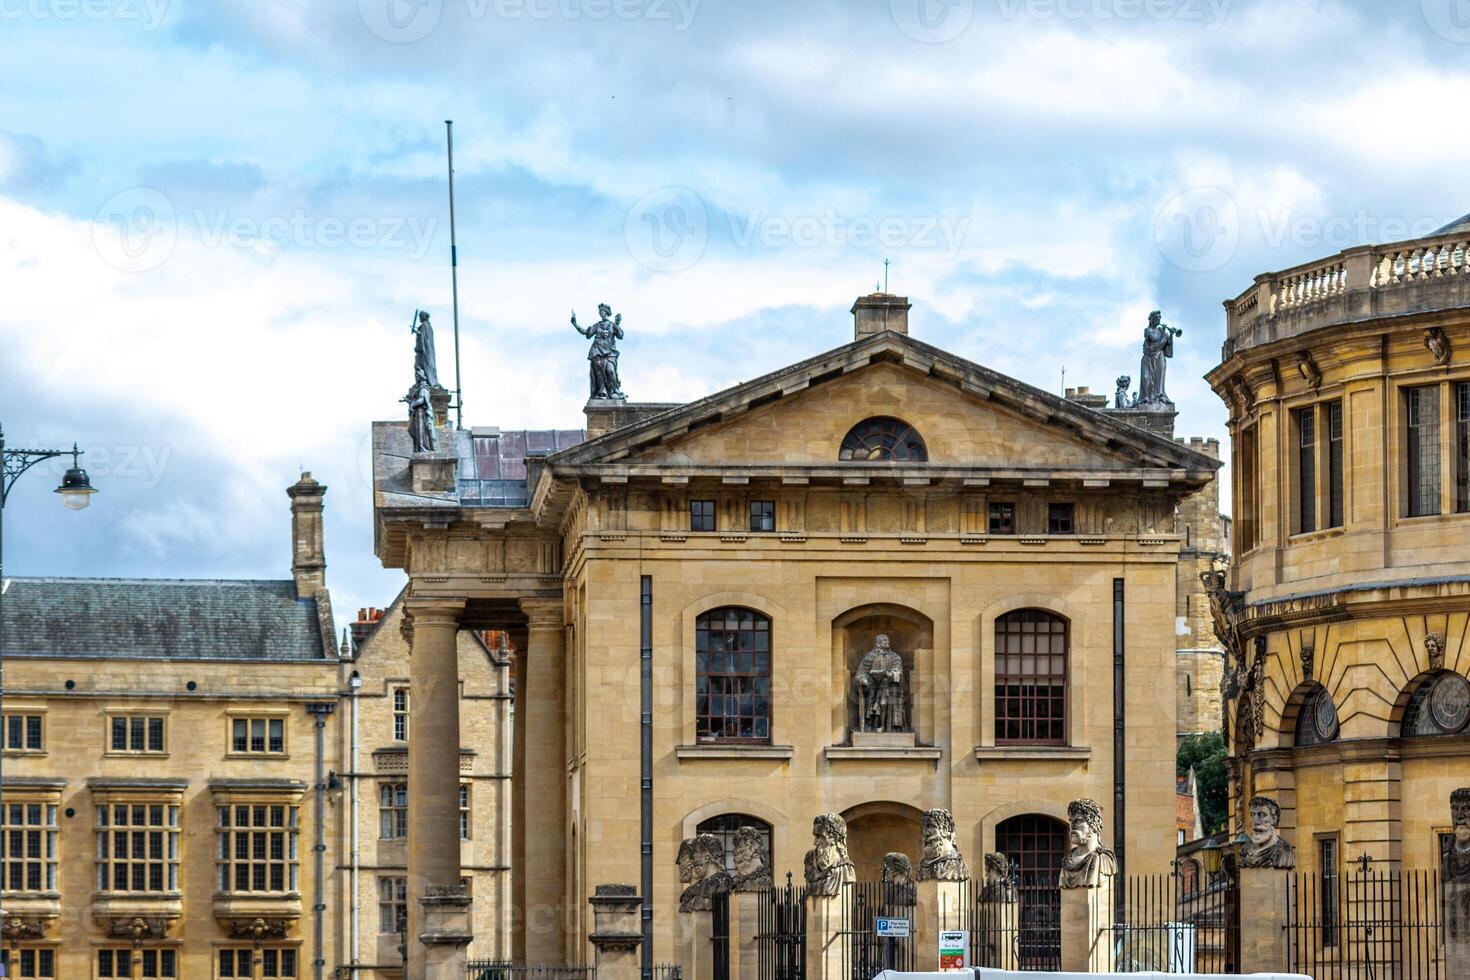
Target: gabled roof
1146 448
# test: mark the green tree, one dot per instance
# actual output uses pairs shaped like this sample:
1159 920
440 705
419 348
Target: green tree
1206 754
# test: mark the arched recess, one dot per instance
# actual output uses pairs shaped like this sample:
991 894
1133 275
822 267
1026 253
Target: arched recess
877 828
911 634
1309 717
984 840
781 858
1433 704
688 667
983 669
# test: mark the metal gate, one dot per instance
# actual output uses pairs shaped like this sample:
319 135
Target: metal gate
780 939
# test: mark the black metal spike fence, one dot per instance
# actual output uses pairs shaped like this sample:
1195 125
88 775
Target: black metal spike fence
1016 924
780 938
1384 925
1171 923
720 936
865 953
502 970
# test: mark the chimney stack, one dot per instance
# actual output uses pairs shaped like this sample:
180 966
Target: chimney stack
308 556
877 312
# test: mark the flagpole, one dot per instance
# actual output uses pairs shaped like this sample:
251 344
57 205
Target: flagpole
454 278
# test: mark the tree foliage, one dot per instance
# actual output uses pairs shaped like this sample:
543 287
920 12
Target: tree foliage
1206 754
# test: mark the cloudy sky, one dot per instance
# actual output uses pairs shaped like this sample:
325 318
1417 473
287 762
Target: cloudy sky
216 218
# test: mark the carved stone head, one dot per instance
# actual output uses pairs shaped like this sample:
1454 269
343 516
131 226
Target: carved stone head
1155 317
829 830
1460 813
897 869
750 853
1265 818
685 860
604 309
1086 819
881 643
998 884
1434 649
996 866
942 860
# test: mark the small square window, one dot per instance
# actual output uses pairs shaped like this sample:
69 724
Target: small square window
1059 518
762 515
1002 518
701 515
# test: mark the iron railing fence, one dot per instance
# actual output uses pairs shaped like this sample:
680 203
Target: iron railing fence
1017 924
502 970
719 938
1383 925
1171 923
780 938
865 953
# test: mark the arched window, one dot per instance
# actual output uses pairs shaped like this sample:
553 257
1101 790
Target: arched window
1316 723
1030 678
1440 705
883 439
732 648
724 827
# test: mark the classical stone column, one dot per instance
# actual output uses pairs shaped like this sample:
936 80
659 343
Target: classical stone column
1263 935
617 932
541 747
433 776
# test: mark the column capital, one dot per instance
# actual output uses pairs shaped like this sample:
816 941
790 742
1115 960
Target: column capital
432 611
544 613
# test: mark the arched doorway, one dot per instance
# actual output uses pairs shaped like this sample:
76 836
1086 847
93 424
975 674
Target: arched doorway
876 829
1035 844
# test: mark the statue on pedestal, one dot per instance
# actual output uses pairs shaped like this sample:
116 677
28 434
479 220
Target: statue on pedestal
942 860
1267 848
1088 861
878 686
702 871
1121 397
421 428
827 865
752 865
898 879
425 363
603 356
1158 347
1455 861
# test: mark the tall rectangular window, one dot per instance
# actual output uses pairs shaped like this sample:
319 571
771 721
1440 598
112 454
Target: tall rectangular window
1327 859
1002 518
701 515
23 733
464 811
762 515
1246 525
1306 464
1421 449
1334 464
138 847
393 811
1462 447
400 714
28 846
257 847
392 903
1030 678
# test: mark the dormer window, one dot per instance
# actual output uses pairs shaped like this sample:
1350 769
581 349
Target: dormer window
882 440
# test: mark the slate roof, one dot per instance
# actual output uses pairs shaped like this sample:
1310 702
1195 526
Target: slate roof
1458 225
182 619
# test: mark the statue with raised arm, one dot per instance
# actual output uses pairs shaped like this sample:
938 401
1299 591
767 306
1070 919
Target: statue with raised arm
603 356
421 418
425 364
1158 347
878 688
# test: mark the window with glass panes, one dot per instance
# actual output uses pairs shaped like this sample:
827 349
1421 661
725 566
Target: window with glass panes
1306 468
392 811
701 515
257 847
23 733
1333 412
28 846
152 964
762 515
137 733
1002 518
400 714
238 963
258 736
1462 447
392 903
1060 518
1327 888
138 847
29 964
1245 527
1031 678
1421 449
464 812
732 649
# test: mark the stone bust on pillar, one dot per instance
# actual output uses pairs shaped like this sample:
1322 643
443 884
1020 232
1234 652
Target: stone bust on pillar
702 871
752 867
1456 856
898 879
942 860
1088 862
999 886
1267 848
827 865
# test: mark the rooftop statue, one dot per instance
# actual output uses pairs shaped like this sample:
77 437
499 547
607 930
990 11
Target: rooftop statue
1158 347
603 356
425 364
421 418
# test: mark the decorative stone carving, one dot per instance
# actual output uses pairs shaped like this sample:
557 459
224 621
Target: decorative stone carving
1439 345
1306 366
20 928
1158 347
603 356
898 879
702 871
1308 657
1267 848
421 429
827 865
259 929
878 687
752 865
1226 611
1244 393
1088 862
1434 649
1455 858
1121 397
942 860
616 911
137 928
999 885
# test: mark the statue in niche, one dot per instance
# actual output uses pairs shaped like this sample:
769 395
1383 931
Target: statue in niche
752 866
878 687
898 879
421 429
425 363
603 355
999 885
1267 848
702 871
1088 862
942 860
1455 860
827 865
1158 347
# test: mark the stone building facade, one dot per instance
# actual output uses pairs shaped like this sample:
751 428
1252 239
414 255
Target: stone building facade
694 587
1200 659
1346 606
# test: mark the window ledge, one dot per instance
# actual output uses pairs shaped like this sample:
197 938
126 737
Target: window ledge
1032 753
892 753
733 750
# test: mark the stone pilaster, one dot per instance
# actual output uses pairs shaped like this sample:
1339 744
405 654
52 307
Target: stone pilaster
997 924
1263 917
544 827
617 932
938 906
823 939
433 776
446 932
1087 919
744 926
1457 929
1373 810
694 944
